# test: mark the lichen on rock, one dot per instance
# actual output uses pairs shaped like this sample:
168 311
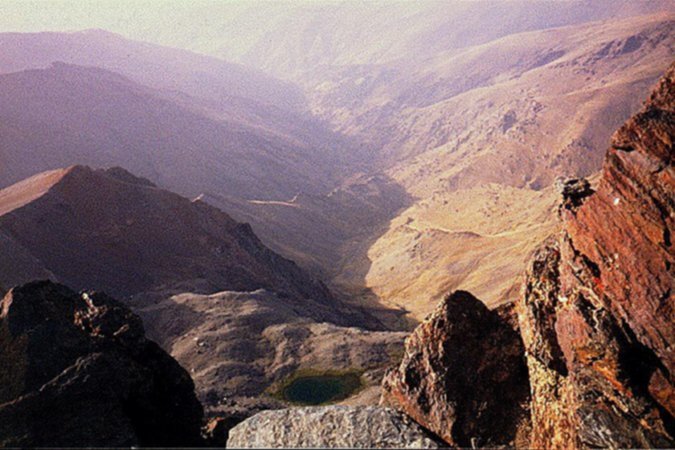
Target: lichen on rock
331 427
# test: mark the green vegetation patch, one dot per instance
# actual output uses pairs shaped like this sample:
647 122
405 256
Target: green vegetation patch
312 387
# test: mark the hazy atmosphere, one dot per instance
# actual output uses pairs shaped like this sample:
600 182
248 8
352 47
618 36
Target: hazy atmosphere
350 224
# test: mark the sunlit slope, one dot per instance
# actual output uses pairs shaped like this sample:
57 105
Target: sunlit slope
476 239
481 163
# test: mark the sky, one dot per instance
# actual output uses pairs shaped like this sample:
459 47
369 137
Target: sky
192 24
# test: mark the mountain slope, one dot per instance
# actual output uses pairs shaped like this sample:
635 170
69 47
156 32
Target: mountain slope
68 115
481 163
165 68
238 316
143 238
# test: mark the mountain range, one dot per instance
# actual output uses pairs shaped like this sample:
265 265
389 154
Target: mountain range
281 194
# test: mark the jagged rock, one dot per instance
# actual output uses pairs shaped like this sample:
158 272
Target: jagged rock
76 370
597 311
573 190
331 427
463 375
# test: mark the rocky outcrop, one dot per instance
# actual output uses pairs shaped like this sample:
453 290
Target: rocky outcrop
597 312
463 375
76 370
331 427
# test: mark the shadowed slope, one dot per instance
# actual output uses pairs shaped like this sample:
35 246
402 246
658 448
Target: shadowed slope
110 230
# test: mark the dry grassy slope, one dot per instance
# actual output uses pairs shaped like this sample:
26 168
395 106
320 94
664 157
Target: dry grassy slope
476 239
481 162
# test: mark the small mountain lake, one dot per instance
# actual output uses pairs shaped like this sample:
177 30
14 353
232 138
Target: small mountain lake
319 389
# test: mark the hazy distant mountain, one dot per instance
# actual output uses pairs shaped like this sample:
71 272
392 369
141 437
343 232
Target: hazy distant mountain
290 39
164 68
66 115
293 36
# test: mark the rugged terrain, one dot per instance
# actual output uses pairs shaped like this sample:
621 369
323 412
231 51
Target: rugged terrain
412 166
77 370
238 316
462 116
238 346
396 170
597 314
595 317
481 162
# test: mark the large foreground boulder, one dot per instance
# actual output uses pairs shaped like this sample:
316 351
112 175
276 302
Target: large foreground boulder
76 370
463 375
598 312
331 427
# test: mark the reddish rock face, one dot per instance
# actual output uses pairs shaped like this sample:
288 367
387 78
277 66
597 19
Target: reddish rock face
78 371
463 375
597 312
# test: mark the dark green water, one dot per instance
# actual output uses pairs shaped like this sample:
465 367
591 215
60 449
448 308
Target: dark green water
318 389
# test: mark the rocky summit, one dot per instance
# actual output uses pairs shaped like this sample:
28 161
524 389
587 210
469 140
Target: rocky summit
597 311
77 370
331 427
463 374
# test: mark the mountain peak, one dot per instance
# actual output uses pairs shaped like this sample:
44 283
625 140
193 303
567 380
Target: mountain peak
144 238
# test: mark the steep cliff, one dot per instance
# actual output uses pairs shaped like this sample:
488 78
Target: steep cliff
597 312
